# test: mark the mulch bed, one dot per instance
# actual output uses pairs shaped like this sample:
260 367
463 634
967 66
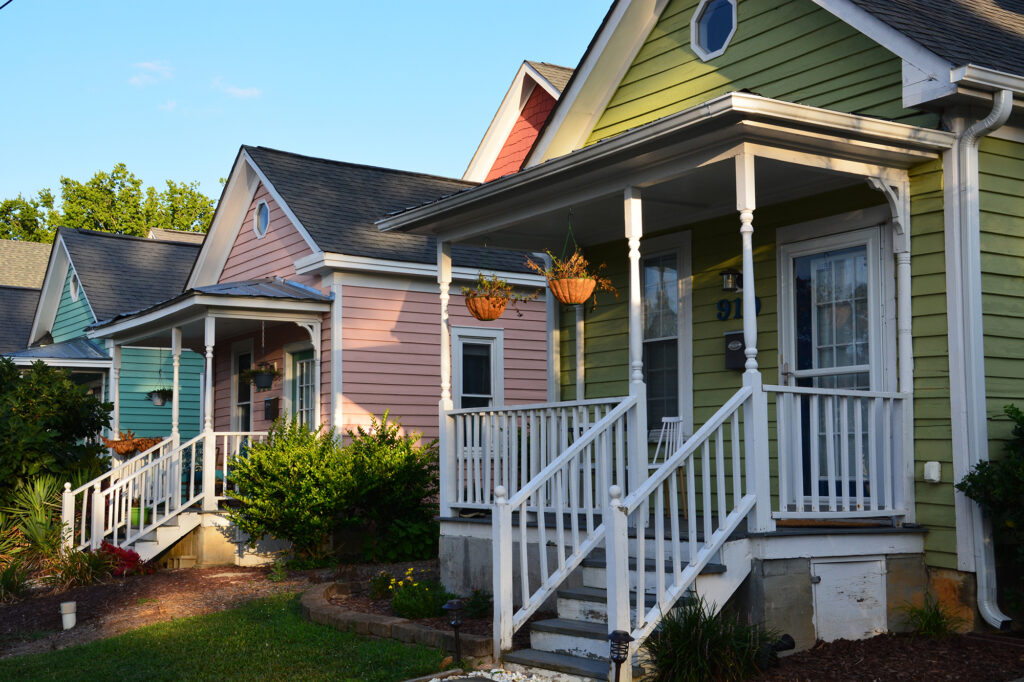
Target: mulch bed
975 657
33 624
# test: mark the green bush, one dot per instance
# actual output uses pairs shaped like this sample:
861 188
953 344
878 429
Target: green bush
479 605
293 486
931 619
418 596
14 577
691 644
45 421
380 585
998 488
68 567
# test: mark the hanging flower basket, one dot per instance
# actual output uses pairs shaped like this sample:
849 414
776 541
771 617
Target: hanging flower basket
261 376
129 444
488 299
160 396
572 290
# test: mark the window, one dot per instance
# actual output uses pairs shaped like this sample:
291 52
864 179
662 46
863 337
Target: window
661 336
303 387
713 25
477 364
261 221
242 413
73 286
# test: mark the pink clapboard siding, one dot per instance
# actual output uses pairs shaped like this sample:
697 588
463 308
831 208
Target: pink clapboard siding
391 349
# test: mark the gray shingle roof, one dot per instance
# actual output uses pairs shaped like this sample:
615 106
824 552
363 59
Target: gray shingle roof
75 349
23 264
121 273
166 235
19 307
338 202
558 76
987 33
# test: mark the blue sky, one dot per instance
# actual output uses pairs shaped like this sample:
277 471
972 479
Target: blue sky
173 88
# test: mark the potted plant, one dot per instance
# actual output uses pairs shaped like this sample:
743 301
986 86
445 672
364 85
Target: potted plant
572 280
137 513
261 376
488 298
160 396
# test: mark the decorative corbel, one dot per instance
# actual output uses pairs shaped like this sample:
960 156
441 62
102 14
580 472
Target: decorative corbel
313 329
897 193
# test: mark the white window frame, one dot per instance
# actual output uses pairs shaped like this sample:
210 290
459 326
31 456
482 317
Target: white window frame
240 348
256 219
695 45
482 335
74 286
290 350
678 243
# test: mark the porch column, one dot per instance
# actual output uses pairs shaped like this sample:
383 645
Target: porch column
581 368
446 435
638 450
905 350
209 440
175 400
115 393
755 417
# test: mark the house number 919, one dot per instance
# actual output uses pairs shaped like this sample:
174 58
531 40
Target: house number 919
733 308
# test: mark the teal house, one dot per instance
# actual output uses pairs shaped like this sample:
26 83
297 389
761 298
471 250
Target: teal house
94 276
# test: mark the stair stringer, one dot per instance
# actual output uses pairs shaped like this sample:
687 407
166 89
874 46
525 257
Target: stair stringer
166 534
717 588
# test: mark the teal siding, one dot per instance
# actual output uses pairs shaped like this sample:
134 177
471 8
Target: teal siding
72 316
146 369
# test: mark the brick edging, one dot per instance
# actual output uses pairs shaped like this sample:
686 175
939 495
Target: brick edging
317 608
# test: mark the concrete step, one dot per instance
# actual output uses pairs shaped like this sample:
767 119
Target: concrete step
561 667
583 639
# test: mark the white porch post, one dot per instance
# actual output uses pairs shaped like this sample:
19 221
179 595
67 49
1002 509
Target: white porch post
209 440
175 398
755 417
638 446
905 349
581 368
115 393
445 423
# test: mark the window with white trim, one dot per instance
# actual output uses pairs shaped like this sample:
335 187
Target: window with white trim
241 413
661 336
477 367
712 27
303 387
73 286
261 219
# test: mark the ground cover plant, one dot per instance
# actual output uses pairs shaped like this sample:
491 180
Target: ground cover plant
265 639
931 618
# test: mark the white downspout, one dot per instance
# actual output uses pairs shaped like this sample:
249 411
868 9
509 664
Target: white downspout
974 342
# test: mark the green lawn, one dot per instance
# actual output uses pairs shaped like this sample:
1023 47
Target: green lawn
266 639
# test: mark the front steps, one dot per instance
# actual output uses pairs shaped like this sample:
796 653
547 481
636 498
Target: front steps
166 534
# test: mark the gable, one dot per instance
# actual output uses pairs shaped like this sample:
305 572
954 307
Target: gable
272 255
73 316
524 132
792 50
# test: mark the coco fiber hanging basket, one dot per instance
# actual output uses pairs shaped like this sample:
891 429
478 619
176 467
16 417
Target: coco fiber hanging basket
486 308
573 291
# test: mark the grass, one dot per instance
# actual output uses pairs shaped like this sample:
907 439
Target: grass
265 639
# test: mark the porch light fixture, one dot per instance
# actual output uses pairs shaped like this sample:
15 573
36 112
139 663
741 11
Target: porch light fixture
619 649
731 280
454 609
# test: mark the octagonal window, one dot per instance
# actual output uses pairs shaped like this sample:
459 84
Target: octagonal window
714 23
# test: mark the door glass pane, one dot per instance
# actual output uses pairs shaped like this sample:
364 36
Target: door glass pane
476 375
661 374
661 297
243 393
303 387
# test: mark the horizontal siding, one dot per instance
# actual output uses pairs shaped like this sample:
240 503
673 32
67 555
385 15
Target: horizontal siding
784 49
391 345
1001 164
146 369
72 316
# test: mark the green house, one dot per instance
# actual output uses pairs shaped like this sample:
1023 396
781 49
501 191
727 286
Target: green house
813 212
95 276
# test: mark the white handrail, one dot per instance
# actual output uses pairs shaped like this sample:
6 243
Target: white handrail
533 406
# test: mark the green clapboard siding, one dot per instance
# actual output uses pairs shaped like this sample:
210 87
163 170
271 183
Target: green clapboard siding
932 427
1001 164
790 50
146 369
72 316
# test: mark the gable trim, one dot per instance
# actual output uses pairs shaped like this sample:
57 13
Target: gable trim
282 204
48 305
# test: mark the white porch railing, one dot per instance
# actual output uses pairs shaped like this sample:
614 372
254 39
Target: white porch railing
231 444
570 487
720 492
509 446
840 452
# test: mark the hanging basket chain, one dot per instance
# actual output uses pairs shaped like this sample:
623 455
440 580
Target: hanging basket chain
569 235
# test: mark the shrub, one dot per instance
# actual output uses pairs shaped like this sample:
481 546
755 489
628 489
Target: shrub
126 561
293 486
14 577
692 644
67 567
46 420
418 597
380 585
479 605
931 619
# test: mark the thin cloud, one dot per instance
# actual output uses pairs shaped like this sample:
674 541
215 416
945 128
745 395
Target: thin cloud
169 105
149 73
234 90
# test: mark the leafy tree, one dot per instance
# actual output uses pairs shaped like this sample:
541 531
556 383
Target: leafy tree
45 419
27 219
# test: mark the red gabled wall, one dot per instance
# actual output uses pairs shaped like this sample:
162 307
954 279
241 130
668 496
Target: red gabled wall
524 132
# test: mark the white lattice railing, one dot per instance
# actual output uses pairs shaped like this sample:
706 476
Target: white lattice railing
569 489
840 452
508 446
716 463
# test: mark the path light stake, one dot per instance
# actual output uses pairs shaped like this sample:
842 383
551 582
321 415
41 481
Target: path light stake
454 608
620 640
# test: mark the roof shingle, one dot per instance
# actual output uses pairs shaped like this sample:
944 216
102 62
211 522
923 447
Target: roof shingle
558 76
23 264
19 308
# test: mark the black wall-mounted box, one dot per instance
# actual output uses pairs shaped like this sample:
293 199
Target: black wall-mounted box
735 358
270 409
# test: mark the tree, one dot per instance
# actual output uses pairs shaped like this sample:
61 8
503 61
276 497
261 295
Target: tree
109 202
46 421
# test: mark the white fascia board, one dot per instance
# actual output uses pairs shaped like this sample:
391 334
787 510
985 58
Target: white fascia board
67 363
501 125
597 77
339 262
314 247
227 220
783 113
541 81
987 79
52 290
